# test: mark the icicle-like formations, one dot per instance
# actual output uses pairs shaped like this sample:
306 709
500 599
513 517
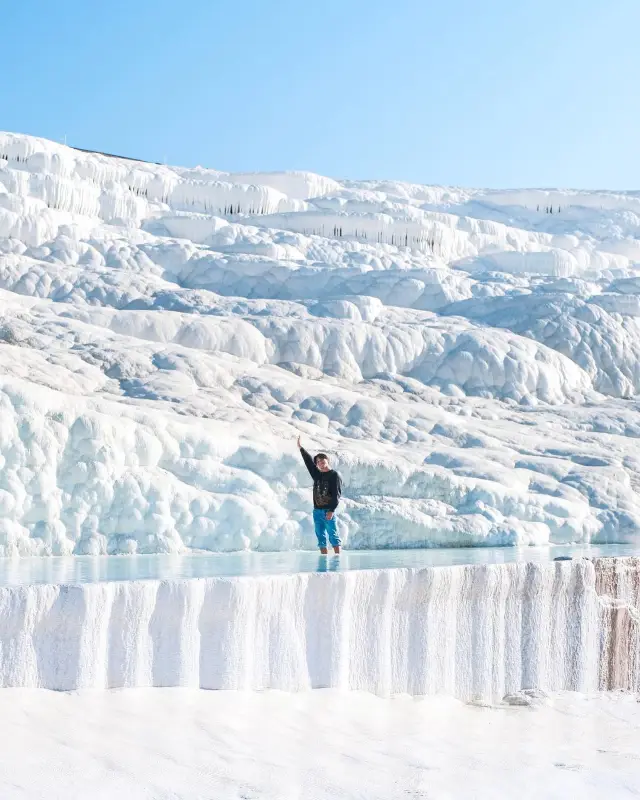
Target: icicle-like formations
474 632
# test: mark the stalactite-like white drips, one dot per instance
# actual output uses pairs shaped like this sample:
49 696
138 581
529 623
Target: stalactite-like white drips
474 632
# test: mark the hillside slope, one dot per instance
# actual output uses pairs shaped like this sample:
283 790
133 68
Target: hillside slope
470 358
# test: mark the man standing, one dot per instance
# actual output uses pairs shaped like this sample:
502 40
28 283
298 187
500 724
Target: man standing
327 489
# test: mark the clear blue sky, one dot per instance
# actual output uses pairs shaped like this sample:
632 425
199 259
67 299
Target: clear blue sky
467 92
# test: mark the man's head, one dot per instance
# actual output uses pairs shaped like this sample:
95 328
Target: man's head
322 462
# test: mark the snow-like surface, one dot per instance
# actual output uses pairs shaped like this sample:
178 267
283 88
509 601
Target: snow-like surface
470 360
183 744
471 632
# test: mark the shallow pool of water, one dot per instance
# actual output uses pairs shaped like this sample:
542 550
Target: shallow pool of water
90 569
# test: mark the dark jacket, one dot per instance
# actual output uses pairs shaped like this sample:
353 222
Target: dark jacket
327 486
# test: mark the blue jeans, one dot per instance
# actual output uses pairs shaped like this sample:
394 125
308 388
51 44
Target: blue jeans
325 527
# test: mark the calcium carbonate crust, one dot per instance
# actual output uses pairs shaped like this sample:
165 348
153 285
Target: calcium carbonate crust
469 358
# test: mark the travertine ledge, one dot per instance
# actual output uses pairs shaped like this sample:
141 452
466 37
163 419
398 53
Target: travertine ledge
474 632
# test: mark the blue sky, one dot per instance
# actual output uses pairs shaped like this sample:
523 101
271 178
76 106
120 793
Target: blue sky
464 92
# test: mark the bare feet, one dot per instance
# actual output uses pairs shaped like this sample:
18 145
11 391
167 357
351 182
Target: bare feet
323 550
336 550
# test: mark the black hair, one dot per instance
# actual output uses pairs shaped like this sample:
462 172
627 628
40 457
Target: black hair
320 455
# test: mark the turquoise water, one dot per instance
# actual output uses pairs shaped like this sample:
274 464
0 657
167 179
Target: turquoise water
90 569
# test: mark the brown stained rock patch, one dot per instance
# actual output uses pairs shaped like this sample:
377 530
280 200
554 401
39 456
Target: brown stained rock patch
618 588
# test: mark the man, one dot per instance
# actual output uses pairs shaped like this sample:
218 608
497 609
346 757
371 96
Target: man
327 489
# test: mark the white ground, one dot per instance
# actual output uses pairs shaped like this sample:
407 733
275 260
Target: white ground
467 357
178 744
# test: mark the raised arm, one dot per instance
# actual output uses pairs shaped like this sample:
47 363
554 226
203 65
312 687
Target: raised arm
313 470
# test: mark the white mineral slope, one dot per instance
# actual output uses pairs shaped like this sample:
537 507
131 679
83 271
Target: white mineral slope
154 744
477 633
469 358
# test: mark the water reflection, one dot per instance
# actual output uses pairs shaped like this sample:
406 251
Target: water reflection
91 569
328 564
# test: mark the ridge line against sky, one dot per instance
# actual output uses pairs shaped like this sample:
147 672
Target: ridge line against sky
496 94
